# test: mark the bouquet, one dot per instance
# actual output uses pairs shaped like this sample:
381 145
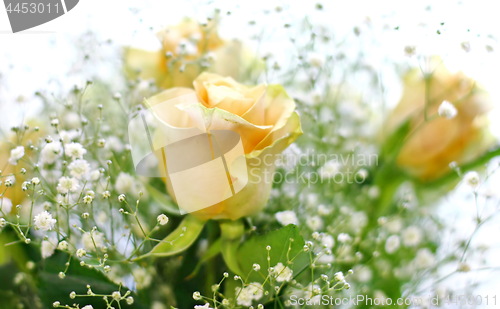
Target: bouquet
215 175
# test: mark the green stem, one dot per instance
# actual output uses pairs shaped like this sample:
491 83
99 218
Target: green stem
211 267
231 233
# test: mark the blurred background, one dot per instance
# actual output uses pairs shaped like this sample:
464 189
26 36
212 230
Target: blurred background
86 43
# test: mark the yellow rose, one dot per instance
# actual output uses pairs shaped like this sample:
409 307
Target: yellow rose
264 119
435 139
187 49
15 193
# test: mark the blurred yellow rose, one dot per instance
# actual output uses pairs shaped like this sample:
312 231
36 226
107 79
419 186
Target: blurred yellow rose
447 114
187 50
11 141
263 117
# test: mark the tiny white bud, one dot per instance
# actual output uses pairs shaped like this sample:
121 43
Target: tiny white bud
121 198
81 253
447 110
130 300
162 219
196 295
116 295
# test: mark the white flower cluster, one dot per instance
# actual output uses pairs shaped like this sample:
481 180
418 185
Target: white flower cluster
16 154
246 295
282 273
44 221
447 110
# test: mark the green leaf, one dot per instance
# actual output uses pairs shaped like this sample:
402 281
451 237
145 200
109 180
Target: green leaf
392 145
179 240
52 288
287 247
211 252
163 199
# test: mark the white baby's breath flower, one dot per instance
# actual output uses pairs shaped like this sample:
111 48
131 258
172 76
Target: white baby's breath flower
196 295
424 259
116 295
329 169
392 244
315 59
287 217
129 300
50 152
344 238
68 136
88 307
327 241
16 154
10 181
72 120
79 168
472 179
363 273
101 143
48 248
447 110
315 223
66 185
142 277
87 199
125 183
205 306
339 276
106 194
75 150
81 253
2 222
380 297
63 245
323 210
35 181
102 217
5 205
412 236
121 198
358 220
94 175
44 221
249 293
187 47
325 259
282 273
162 219
394 225
114 143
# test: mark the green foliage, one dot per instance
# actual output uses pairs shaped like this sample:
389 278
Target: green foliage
287 247
180 239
